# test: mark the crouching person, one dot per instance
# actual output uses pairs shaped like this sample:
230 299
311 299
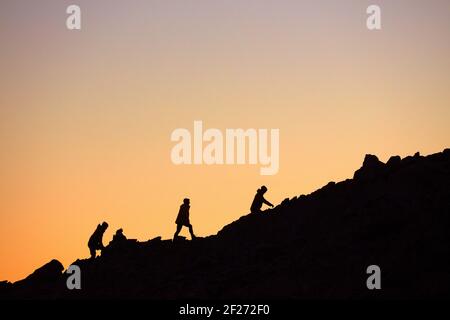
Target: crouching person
96 240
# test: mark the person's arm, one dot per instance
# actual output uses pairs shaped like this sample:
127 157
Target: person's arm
100 243
267 202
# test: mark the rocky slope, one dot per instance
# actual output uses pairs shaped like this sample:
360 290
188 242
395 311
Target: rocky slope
394 215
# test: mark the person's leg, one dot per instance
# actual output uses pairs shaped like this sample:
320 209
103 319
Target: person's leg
191 231
179 226
92 251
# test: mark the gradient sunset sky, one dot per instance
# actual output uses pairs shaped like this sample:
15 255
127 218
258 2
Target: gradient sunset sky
86 116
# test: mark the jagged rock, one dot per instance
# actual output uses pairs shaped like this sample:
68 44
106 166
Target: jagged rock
393 164
394 161
51 271
179 239
5 288
370 161
154 240
371 168
5 284
318 246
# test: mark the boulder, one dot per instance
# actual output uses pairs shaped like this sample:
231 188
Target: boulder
51 271
371 168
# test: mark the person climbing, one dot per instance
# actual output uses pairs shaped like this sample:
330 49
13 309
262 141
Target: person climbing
183 219
259 200
96 240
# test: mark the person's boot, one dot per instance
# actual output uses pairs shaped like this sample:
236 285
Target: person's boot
193 237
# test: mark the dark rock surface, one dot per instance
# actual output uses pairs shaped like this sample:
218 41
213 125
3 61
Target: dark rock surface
394 215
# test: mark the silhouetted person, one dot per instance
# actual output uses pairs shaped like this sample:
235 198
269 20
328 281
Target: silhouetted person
119 237
259 200
96 240
118 240
183 219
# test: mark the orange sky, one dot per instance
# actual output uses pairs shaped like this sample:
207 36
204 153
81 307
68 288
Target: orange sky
86 116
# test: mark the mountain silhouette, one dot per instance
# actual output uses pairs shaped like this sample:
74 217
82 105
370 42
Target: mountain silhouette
394 215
